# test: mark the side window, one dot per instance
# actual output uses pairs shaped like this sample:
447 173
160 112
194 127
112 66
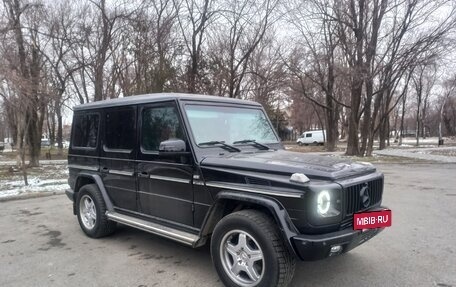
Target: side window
120 132
159 124
85 130
308 135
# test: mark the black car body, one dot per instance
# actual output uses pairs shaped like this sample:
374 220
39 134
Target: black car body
167 182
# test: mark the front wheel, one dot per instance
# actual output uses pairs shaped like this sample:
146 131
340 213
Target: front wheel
247 250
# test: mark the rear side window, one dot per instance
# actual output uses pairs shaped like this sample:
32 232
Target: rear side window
120 132
308 135
159 124
86 130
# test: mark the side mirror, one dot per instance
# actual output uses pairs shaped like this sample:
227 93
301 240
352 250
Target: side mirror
173 147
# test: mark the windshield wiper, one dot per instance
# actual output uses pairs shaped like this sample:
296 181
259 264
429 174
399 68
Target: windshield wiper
254 143
223 145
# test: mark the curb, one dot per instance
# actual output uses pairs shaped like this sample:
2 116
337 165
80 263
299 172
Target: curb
30 195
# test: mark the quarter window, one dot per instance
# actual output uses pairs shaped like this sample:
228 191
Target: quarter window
159 124
85 130
308 135
120 131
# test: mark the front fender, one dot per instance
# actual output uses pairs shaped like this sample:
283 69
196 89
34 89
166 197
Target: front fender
281 217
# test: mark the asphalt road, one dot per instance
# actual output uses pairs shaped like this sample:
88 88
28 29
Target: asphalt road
41 244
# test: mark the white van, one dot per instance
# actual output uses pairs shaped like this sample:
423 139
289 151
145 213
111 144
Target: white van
312 137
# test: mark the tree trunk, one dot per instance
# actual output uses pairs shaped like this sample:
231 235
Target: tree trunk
388 132
417 130
98 84
58 110
382 133
22 127
404 99
365 129
332 123
34 139
353 121
36 111
50 119
193 72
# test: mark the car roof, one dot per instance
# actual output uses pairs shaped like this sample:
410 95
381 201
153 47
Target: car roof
159 97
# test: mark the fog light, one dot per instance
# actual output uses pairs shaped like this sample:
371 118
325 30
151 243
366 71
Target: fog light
336 249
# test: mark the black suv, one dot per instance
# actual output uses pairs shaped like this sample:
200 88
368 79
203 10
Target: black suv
192 168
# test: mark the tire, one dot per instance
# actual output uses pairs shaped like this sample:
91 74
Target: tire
262 240
300 143
91 212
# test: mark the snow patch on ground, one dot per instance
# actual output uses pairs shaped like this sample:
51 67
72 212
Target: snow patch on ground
50 177
16 187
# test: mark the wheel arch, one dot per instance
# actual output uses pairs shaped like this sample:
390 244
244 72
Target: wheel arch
85 178
227 202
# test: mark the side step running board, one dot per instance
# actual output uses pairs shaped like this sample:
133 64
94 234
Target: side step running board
164 231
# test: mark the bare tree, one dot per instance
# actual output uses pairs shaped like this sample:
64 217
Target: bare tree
242 26
27 65
405 38
147 64
61 67
448 107
321 64
194 17
423 82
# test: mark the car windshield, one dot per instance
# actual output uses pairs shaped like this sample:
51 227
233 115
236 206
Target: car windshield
229 124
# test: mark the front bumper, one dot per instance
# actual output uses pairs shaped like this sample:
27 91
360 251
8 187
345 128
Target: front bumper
315 247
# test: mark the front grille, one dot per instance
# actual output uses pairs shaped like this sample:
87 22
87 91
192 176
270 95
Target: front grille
353 197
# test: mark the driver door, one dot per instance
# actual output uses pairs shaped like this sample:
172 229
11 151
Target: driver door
164 182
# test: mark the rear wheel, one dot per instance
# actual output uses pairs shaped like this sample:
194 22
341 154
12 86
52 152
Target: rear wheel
91 212
247 250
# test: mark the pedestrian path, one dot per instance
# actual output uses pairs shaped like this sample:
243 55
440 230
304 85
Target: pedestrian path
421 153
45 162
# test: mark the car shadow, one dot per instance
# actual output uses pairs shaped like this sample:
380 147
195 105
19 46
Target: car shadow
333 271
144 246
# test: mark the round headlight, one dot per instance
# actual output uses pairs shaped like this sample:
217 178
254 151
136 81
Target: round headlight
323 202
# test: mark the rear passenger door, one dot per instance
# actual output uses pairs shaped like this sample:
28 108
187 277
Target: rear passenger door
118 154
164 183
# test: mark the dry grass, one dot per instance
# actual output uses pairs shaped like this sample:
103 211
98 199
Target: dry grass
7 156
50 171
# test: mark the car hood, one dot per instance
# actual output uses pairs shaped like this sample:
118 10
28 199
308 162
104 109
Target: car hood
285 163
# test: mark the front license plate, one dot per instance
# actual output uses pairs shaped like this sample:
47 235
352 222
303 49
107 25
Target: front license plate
372 219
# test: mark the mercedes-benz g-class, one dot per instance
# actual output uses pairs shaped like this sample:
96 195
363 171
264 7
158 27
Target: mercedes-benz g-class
192 168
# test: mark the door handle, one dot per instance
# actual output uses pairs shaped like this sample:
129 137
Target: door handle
143 174
105 169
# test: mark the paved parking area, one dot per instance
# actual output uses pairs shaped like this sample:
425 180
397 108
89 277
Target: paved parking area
41 244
